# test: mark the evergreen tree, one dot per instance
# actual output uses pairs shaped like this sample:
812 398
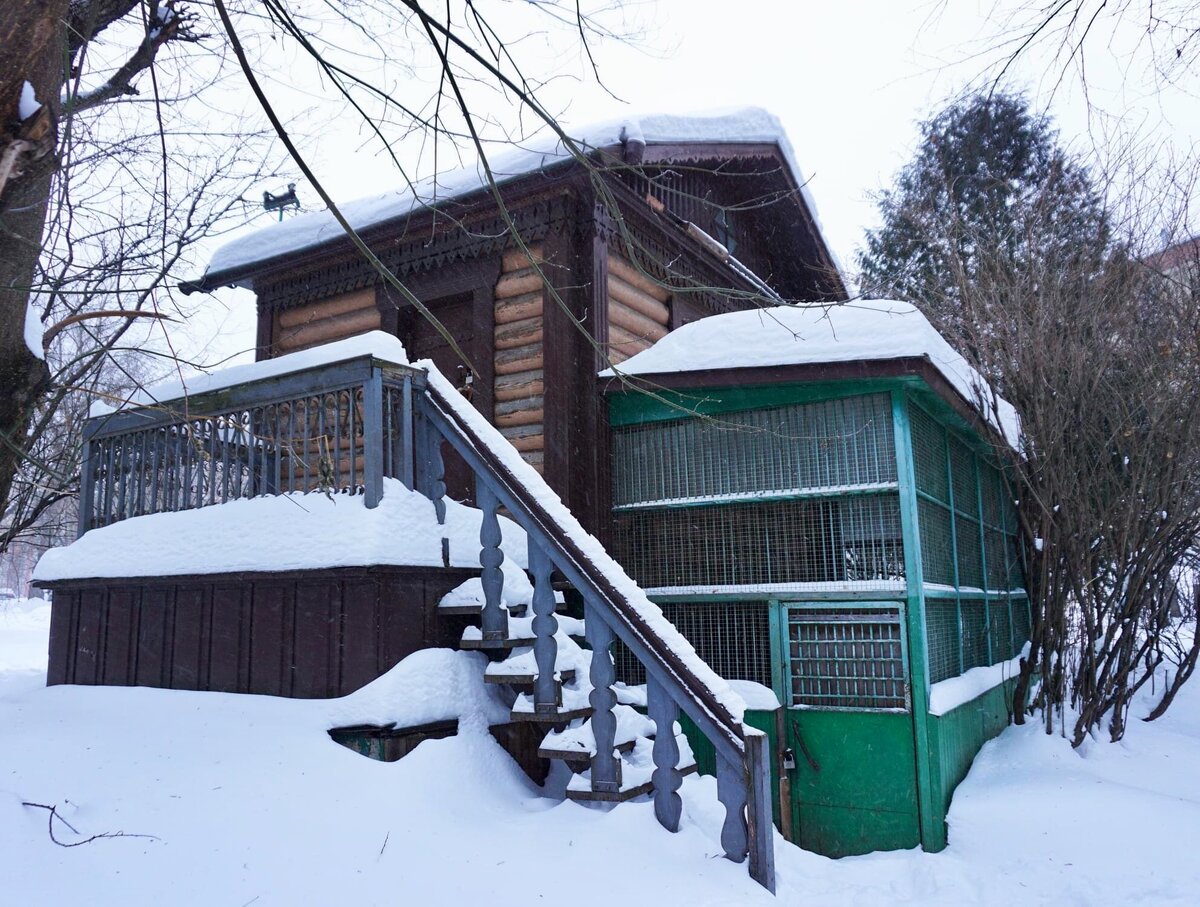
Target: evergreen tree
990 184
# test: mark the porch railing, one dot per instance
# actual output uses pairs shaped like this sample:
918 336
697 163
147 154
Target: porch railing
337 427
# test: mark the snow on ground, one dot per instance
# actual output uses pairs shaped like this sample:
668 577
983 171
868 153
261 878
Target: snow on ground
249 802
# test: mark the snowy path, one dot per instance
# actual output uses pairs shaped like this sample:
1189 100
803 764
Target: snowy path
250 802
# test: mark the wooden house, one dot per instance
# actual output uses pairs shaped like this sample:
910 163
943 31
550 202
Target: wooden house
674 223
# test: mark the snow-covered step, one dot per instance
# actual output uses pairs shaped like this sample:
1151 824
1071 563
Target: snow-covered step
637 774
574 705
578 743
520 634
520 668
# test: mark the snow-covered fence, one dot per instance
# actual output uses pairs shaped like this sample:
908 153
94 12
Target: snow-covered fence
333 427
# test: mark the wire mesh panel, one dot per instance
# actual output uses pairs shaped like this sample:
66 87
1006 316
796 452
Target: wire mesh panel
970 559
942 636
847 658
962 472
929 455
831 444
855 539
1000 627
1022 626
974 633
937 545
734 638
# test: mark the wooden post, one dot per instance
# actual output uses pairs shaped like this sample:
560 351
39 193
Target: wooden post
494 618
372 438
406 434
731 791
663 712
546 690
606 767
761 829
87 483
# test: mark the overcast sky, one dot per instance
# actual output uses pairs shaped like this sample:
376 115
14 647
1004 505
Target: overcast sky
849 80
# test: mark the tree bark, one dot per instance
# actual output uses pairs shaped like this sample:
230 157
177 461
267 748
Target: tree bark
33 49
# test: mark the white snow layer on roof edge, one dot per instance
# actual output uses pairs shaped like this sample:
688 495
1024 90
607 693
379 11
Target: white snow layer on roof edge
374 343
867 329
288 532
746 125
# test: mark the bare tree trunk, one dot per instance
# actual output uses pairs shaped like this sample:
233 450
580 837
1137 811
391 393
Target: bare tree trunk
33 50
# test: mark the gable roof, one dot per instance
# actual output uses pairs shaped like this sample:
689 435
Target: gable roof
665 137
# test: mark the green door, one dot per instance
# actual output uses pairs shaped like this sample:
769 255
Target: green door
843 677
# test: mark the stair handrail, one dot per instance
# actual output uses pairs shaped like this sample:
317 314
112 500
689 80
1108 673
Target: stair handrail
699 691
528 491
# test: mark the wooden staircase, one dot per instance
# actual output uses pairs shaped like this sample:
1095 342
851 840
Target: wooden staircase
569 736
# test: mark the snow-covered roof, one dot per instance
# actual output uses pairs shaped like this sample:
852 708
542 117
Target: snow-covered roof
378 344
862 330
747 125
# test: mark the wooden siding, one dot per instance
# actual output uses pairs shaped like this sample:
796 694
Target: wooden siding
304 634
639 312
518 356
325 321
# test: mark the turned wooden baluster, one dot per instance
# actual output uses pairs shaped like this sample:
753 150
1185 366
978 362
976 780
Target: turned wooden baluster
606 767
494 618
731 791
667 779
546 690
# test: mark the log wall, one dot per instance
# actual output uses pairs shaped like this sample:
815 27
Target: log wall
325 321
305 634
638 309
519 407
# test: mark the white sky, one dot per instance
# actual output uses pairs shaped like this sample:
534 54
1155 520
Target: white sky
849 80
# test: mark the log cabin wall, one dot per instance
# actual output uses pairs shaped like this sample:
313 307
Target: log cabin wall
639 311
519 345
324 321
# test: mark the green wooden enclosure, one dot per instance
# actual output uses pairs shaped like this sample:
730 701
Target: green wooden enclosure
849 545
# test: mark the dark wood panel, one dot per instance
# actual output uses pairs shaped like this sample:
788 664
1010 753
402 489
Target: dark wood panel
63 615
120 634
270 648
188 638
357 660
154 638
226 650
303 633
317 635
90 637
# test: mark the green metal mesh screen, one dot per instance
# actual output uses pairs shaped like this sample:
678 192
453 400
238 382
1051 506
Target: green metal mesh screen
855 539
1022 629
941 617
962 473
929 456
937 546
1000 625
842 658
780 450
734 638
974 633
970 561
